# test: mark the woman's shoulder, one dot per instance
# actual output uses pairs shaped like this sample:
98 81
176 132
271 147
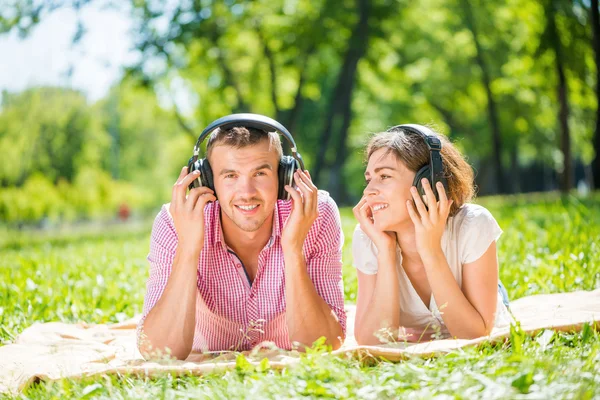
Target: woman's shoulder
471 214
474 228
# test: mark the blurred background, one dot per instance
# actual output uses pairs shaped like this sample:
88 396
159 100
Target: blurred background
102 101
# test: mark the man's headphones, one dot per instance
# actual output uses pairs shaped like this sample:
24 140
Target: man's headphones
287 165
434 170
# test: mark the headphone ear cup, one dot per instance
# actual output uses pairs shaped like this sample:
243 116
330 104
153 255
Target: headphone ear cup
194 166
206 175
424 172
287 166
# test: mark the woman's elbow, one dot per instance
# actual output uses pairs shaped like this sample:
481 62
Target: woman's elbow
366 338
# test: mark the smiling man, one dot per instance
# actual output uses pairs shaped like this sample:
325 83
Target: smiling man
231 269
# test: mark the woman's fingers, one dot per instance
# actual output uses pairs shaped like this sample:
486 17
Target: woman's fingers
356 209
412 213
420 206
444 203
431 201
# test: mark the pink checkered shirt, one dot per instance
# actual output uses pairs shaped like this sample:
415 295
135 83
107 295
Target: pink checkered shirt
231 313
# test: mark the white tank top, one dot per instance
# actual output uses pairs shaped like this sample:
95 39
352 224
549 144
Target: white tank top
466 238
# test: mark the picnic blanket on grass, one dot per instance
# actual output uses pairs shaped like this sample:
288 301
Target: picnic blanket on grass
55 350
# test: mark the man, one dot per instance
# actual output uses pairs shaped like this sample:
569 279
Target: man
230 273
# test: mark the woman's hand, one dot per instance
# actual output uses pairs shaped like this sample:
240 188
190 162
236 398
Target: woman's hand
382 240
429 224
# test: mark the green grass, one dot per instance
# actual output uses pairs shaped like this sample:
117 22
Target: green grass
550 244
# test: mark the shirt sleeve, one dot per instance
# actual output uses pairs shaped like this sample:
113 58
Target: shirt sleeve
364 252
163 243
477 232
324 263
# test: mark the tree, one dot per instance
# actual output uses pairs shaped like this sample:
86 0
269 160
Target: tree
595 23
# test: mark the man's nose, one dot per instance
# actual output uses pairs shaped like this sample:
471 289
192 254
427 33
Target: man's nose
246 186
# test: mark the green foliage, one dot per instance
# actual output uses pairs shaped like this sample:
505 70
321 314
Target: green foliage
99 277
286 59
64 159
50 131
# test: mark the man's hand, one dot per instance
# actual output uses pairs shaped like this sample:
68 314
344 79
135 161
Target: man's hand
188 211
304 211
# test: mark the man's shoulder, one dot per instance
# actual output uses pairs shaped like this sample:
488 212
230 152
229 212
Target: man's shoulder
326 204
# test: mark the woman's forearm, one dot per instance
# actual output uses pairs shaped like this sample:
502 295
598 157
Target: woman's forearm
380 315
460 317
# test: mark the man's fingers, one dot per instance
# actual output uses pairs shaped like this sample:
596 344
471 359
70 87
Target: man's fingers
182 173
305 176
296 198
180 188
308 193
202 200
193 196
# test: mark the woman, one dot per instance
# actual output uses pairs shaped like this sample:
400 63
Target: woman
423 271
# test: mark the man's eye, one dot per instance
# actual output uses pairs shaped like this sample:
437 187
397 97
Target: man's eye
367 181
228 176
385 176
260 173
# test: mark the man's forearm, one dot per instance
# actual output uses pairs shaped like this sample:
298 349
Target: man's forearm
170 325
308 316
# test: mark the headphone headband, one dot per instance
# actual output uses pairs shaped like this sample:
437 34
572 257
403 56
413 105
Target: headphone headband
432 141
436 170
249 120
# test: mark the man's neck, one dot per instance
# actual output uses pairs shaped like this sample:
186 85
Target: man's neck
242 242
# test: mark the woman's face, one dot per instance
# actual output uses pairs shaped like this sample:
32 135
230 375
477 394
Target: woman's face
388 188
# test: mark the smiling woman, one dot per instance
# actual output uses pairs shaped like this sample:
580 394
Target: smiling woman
423 270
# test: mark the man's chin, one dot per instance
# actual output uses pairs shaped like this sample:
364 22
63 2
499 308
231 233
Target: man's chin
249 225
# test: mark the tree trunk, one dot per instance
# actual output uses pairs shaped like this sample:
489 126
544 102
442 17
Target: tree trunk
341 102
514 169
596 44
491 103
566 181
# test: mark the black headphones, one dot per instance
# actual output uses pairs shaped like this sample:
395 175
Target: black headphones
287 165
434 170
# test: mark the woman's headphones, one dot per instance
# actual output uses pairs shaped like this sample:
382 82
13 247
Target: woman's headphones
434 170
287 165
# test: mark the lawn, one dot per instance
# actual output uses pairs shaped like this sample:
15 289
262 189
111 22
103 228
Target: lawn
550 244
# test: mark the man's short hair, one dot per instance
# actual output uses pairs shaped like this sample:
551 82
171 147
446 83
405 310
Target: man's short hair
240 137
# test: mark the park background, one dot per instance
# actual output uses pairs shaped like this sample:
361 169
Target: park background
102 102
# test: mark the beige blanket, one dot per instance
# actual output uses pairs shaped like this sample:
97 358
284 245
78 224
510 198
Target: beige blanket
57 350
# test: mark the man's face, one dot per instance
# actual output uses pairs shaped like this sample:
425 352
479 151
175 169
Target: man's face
246 183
